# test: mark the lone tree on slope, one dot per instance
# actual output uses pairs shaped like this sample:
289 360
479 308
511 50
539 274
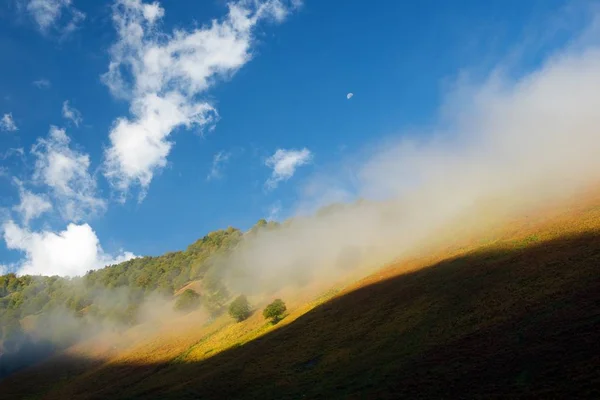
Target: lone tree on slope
275 310
239 309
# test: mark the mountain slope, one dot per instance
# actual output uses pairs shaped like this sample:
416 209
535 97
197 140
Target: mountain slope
516 317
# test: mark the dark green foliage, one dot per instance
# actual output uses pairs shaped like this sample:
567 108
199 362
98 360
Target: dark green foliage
115 293
215 294
164 274
126 285
263 225
239 308
187 301
170 271
275 310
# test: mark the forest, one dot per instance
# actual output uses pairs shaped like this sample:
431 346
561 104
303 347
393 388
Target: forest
110 296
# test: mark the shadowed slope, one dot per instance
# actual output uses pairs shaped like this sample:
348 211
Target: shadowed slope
517 322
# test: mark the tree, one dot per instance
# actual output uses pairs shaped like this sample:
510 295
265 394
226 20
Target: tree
187 301
275 310
239 308
215 294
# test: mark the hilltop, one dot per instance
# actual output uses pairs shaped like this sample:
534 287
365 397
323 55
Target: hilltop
514 313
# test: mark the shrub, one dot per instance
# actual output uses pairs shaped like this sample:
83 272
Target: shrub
215 294
239 308
187 301
275 310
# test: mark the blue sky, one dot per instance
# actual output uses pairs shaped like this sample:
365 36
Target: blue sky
209 127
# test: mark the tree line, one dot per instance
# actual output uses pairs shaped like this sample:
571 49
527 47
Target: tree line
131 282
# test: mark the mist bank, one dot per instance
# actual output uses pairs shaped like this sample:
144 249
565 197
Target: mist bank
74 312
503 147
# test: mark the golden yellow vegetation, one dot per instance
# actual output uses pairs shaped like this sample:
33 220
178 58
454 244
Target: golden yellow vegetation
430 323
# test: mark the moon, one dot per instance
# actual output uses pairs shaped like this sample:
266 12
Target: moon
349 95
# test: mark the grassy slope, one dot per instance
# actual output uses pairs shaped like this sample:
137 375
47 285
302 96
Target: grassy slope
514 313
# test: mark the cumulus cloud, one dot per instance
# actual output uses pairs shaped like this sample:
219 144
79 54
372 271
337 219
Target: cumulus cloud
163 75
71 113
284 164
42 83
7 123
58 15
65 171
70 252
219 160
31 205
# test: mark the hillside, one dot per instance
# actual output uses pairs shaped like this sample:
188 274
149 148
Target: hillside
41 314
513 314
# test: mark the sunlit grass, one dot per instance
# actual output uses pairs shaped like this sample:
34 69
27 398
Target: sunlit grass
430 316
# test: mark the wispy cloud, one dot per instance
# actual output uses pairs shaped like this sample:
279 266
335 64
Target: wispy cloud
71 113
55 15
31 205
65 171
7 123
274 211
162 76
18 152
219 160
284 164
42 83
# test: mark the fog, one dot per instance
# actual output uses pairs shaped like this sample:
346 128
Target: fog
519 143
99 330
514 143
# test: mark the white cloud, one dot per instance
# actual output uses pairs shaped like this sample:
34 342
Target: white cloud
58 15
71 252
7 123
139 147
32 205
284 164
71 113
65 171
45 12
152 12
349 96
218 160
163 75
42 83
274 211
11 152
